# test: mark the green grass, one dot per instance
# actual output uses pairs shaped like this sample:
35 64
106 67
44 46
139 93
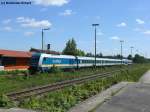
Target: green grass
62 100
16 83
15 72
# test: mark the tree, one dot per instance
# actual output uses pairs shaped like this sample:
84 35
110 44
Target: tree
130 57
100 55
89 55
71 48
80 52
139 59
118 56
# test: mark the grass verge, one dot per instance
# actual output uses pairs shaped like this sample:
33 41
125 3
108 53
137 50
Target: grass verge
62 100
16 83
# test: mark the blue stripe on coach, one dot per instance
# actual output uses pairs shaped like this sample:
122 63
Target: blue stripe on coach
47 61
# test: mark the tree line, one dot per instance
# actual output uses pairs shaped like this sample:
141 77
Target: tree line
71 49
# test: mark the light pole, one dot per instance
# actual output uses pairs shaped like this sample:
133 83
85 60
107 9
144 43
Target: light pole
95 26
121 56
43 37
131 50
137 51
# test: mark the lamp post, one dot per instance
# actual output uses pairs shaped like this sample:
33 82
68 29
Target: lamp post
43 37
137 51
95 26
121 55
131 50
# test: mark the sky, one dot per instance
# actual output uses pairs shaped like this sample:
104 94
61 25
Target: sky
127 20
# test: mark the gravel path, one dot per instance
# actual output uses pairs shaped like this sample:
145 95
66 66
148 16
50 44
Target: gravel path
145 78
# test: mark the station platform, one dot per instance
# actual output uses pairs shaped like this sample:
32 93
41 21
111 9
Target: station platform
133 98
122 97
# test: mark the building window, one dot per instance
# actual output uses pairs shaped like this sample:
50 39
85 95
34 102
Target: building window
8 61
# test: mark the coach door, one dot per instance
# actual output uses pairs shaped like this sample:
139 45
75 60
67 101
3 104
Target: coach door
77 62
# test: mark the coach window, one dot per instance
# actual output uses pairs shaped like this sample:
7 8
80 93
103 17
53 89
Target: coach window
80 61
44 59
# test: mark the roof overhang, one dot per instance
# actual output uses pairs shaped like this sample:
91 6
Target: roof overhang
18 54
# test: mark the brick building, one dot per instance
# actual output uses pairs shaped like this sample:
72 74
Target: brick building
14 60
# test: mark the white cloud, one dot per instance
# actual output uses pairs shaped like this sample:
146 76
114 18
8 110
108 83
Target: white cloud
24 19
66 13
51 2
115 38
6 21
29 34
123 24
7 28
32 23
139 21
147 32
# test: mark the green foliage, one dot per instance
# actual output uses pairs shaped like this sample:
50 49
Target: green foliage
139 59
4 101
16 83
89 55
55 69
130 57
62 100
71 49
14 72
80 52
31 103
100 55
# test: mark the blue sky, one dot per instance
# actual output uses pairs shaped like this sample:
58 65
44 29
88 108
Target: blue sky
128 20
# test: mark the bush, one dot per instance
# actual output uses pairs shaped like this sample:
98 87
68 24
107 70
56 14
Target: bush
14 72
5 101
55 69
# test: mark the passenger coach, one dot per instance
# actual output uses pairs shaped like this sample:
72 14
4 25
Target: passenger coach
44 62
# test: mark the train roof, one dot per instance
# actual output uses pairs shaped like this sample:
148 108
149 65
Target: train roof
92 58
74 57
58 56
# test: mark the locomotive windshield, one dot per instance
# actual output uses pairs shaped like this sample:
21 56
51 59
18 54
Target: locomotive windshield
35 60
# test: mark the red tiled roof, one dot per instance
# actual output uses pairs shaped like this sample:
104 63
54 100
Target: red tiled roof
11 53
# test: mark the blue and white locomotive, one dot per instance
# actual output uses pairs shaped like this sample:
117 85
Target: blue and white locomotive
44 62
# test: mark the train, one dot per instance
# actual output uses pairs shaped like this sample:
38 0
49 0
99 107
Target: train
44 62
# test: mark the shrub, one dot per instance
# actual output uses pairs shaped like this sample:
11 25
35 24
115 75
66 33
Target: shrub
55 69
5 101
14 72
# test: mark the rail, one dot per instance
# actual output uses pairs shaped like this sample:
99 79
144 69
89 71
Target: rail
55 86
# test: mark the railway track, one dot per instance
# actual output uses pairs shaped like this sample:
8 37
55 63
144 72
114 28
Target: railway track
16 96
